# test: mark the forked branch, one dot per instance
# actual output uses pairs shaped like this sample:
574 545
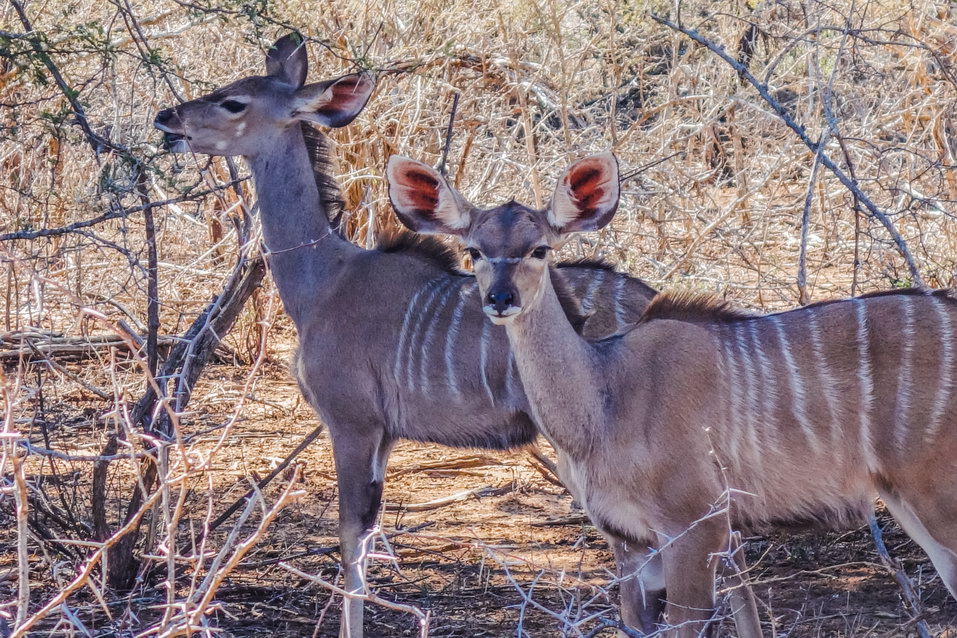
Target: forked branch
897 571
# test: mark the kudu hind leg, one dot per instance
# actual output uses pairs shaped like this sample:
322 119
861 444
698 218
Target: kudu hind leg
935 531
360 458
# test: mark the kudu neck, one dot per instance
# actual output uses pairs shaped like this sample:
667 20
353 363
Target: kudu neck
304 252
558 372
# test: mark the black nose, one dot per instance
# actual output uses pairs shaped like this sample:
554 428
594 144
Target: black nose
165 116
501 299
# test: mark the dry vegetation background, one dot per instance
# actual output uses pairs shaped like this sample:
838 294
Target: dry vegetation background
96 220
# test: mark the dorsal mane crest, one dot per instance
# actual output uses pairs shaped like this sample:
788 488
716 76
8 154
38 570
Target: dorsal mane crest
424 247
692 306
592 264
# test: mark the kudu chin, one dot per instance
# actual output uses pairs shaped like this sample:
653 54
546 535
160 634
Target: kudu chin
701 420
392 342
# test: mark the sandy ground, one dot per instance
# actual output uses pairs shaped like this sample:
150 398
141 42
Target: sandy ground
514 558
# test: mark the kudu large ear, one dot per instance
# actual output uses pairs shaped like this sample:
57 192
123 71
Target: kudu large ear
423 200
334 103
287 60
586 196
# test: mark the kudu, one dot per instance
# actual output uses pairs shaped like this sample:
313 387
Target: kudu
701 419
391 341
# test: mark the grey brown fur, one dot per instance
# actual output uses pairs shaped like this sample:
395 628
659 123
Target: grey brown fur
391 342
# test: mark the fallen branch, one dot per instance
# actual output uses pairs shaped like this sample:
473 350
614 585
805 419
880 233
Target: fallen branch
82 458
478 460
545 466
479 492
422 616
765 93
232 509
30 345
575 519
332 549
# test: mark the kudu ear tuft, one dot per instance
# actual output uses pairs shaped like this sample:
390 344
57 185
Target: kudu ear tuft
423 200
336 102
586 196
287 60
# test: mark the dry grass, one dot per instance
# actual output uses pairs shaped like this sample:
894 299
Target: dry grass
541 82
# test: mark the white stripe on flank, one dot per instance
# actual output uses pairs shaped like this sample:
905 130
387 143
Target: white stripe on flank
483 357
945 374
829 389
430 331
588 301
450 336
620 318
737 424
866 380
796 385
749 418
901 424
423 317
410 312
766 395
732 378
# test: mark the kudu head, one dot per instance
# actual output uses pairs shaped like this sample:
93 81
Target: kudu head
510 245
245 117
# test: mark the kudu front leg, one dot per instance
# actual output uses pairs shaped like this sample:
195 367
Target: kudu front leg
360 457
690 561
641 584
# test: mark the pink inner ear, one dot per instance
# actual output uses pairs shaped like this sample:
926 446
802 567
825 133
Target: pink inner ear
586 184
347 95
419 190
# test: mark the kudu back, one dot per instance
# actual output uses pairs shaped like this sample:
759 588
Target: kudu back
702 420
391 341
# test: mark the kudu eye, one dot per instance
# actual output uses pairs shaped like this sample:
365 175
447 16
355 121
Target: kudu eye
233 106
541 252
474 253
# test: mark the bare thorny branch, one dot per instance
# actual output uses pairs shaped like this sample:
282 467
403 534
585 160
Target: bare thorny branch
801 132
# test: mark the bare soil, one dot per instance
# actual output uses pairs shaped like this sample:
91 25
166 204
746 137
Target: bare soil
515 558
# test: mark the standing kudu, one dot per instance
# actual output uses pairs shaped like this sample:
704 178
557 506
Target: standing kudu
701 419
391 341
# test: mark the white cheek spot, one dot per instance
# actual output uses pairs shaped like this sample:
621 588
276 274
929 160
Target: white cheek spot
220 145
240 128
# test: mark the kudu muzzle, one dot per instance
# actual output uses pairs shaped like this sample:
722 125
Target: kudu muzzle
169 122
502 299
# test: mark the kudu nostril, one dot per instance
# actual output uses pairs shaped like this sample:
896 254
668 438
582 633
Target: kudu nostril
164 116
500 300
